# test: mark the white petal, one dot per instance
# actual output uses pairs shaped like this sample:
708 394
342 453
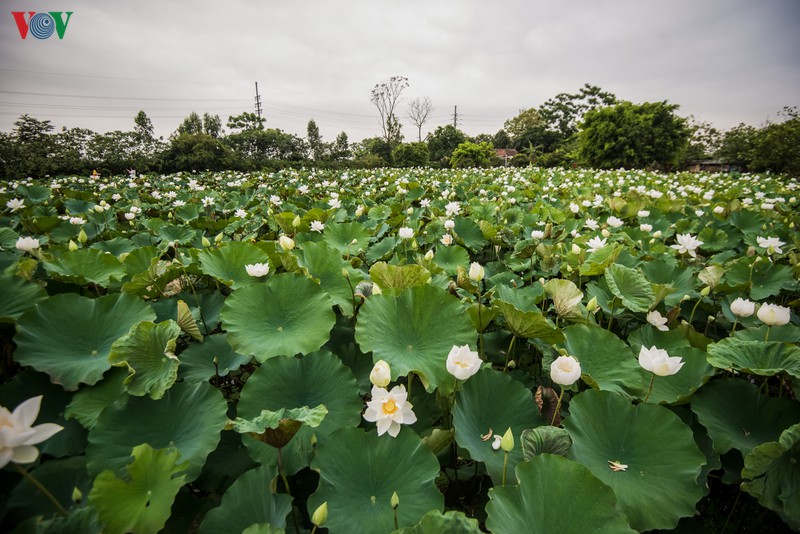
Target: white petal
384 425
25 414
43 432
394 429
25 454
5 456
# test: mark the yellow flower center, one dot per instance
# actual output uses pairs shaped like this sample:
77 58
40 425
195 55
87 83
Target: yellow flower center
389 407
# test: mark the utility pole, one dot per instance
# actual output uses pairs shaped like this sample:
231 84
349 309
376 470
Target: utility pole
258 102
455 116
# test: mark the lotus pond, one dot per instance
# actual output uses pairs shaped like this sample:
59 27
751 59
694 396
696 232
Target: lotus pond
419 351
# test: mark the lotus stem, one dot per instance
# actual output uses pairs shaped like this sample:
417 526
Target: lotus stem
650 389
480 326
508 354
733 328
611 316
558 406
766 336
282 471
57 505
505 468
691 316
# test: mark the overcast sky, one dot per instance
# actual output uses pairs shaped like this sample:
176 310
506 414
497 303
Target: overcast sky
723 61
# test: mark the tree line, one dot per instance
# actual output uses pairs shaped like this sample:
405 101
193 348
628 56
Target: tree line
589 127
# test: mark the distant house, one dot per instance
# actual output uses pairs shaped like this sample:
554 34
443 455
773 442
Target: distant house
505 154
708 165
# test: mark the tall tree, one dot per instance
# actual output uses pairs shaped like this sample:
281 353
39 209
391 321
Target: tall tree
419 110
563 112
524 121
192 124
633 136
212 125
340 150
443 141
246 121
385 96
314 140
143 126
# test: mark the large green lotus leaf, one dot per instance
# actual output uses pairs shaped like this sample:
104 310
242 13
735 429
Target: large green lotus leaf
19 296
117 246
554 495
607 363
326 265
213 357
269 419
414 331
738 416
766 358
772 474
60 476
249 500
522 298
148 352
290 314
764 279
359 471
87 265
493 401
171 233
659 484
83 520
599 260
140 260
189 417
87 404
227 264
630 286
341 236
436 522
545 439
469 233
529 324
69 337
318 378
381 250
449 258
141 501
393 279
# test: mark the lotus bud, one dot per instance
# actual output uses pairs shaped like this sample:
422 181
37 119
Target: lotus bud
410 211
705 291
605 232
591 305
429 255
218 238
359 211
77 495
576 249
685 297
476 272
395 501
73 245
320 515
381 374
512 364
296 221
345 272
657 233
82 237
507 442
286 243
206 243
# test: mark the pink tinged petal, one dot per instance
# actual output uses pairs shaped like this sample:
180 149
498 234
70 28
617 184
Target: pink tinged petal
5 456
25 454
25 414
43 432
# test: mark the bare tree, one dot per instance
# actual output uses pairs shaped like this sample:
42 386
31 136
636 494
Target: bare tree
385 96
418 111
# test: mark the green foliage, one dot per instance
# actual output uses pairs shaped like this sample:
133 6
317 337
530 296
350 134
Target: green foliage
443 141
468 154
410 155
198 151
527 119
633 136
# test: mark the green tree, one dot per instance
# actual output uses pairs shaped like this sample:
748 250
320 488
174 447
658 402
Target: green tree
192 124
212 125
340 149
256 149
410 155
373 152
198 152
527 119
633 136
314 139
32 148
246 121
443 141
469 154
705 140
563 112
71 150
777 145
501 139
143 126
738 146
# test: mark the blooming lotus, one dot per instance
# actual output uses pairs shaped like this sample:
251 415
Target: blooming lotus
317 226
15 203
536 234
449 224
18 437
687 244
286 243
390 409
596 243
614 222
773 315
381 374
659 362
447 240
27 244
743 307
405 232
565 370
772 244
462 362
656 319
257 269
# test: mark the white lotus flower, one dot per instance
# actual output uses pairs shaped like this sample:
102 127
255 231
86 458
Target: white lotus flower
452 208
242 214
449 224
15 203
591 224
476 271
687 243
743 307
390 409
447 240
772 244
773 315
565 370
77 220
462 362
317 226
596 243
644 227
381 374
286 243
27 244
643 213
18 437
614 222
659 362
537 234
257 269
656 319
405 232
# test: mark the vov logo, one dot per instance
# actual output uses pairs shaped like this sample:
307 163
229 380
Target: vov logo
41 25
